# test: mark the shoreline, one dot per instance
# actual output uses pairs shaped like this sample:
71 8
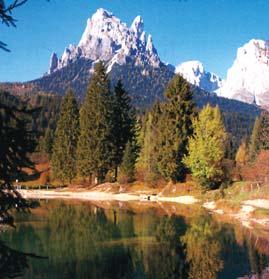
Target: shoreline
104 196
244 215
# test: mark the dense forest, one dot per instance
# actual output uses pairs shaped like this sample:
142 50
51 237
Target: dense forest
105 137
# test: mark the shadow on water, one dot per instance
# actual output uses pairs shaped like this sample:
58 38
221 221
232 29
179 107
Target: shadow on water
86 241
12 262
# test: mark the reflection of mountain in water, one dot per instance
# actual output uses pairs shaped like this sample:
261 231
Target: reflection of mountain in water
86 241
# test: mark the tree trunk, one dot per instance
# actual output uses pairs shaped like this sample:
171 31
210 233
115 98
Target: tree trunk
116 174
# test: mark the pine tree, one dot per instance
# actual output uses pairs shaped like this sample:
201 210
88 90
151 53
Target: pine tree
253 148
260 135
174 128
124 123
65 142
47 143
17 141
207 147
96 149
127 167
149 142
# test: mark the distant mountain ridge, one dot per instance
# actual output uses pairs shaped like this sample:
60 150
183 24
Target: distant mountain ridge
130 55
195 73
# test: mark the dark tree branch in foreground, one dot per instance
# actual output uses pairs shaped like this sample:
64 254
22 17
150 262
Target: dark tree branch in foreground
6 11
17 140
7 18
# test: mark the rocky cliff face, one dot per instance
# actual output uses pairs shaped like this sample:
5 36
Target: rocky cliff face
248 78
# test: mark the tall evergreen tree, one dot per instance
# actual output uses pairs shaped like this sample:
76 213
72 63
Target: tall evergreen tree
96 149
65 142
207 147
253 148
174 129
124 123
47 143
150 145
260 135
127 167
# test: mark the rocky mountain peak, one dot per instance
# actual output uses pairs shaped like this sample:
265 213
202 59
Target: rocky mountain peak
137 26
195 73
107 38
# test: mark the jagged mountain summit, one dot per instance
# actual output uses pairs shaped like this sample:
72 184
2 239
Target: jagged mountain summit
195 73
248 78
107 38
129 55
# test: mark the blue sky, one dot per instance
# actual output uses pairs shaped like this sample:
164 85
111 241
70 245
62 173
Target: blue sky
205 30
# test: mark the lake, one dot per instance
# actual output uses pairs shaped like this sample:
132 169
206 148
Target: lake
129 240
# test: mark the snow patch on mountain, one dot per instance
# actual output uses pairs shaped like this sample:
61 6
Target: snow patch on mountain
107 38
248 78
195 73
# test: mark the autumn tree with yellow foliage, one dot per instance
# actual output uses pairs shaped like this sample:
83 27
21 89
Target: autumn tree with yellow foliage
207 148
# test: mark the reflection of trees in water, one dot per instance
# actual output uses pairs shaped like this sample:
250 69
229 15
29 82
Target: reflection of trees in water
203 249
257 261
87 242
83 235
80 235
240 252
168 259
163 258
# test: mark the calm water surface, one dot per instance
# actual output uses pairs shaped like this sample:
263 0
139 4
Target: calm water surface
75 240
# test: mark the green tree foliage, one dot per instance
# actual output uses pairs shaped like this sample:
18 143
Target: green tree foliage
174 129
65 142
124 124
16 142
260 135
207 147
253 148
49 106
96 149
16 137
148 140
238 117
127 167
47 141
